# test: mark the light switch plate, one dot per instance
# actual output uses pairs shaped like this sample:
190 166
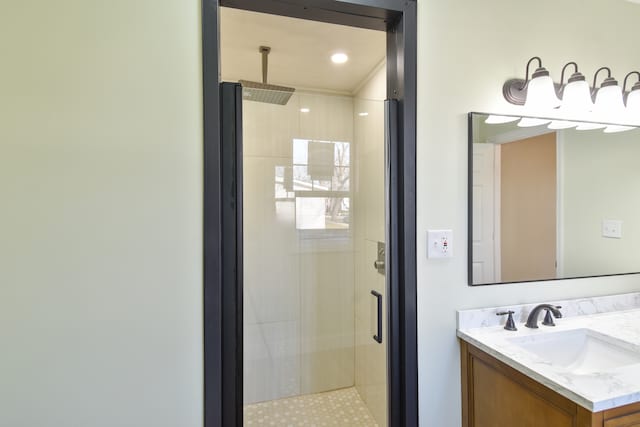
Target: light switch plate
439 244
612 228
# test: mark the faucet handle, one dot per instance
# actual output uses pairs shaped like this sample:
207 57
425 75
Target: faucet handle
548 319
510 325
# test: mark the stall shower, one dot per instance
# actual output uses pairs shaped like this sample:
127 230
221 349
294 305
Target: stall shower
314 214
313 225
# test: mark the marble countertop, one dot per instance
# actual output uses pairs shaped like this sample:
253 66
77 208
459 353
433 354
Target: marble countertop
595 391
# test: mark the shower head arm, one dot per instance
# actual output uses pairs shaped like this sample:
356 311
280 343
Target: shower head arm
264 50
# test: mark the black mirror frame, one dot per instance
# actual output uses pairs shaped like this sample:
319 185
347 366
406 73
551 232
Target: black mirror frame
470 212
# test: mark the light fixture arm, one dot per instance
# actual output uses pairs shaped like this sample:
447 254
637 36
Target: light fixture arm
526 78
624 85
565 68
595 76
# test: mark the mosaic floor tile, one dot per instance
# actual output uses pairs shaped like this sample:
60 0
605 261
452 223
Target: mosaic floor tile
333 408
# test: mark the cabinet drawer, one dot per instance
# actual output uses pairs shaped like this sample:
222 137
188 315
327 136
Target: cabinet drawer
631 420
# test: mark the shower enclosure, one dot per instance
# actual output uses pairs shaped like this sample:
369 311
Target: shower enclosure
314 338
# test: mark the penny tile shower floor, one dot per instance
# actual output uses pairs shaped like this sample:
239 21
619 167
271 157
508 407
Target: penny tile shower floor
333 408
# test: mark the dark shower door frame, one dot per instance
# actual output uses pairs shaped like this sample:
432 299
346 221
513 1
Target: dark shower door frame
222 220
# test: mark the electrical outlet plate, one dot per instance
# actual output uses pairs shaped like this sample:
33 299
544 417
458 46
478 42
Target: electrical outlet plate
612 228
439 244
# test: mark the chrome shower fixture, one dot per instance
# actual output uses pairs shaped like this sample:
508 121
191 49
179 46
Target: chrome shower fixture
264 92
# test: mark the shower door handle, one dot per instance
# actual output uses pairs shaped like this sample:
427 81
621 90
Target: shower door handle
378 336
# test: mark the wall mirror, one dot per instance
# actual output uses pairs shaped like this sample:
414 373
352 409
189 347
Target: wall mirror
550 204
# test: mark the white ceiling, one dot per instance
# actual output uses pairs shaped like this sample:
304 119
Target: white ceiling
300 51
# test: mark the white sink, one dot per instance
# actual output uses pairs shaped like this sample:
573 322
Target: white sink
580 351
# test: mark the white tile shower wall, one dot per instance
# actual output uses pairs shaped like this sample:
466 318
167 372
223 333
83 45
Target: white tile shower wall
298 291
327 321
369 230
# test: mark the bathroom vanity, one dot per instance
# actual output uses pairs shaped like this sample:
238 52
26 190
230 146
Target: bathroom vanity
583 372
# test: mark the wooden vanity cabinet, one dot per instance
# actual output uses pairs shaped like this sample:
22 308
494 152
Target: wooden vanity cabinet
496 395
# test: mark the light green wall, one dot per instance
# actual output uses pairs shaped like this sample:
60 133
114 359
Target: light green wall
600 180
100 218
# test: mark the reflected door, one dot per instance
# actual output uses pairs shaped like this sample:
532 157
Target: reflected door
313 218
528 209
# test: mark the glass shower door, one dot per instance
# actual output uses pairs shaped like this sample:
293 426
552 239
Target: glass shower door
313 225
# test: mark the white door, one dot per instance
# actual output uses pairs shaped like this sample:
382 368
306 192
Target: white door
484 269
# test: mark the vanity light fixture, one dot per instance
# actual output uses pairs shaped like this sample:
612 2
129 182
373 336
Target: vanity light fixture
305 110
581 107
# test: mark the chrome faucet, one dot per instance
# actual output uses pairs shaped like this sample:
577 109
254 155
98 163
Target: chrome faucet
532 320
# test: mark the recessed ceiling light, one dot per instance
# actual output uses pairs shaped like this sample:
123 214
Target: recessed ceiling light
339 58
363 114
304 110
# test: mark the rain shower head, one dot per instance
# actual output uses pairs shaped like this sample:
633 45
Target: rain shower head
264 92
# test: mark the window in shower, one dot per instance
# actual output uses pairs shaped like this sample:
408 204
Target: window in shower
316 185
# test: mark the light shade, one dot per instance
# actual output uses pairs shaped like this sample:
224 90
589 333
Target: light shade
609 106
541 94
576 97
633 105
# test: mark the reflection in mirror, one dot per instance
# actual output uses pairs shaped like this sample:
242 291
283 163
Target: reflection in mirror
551 204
